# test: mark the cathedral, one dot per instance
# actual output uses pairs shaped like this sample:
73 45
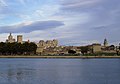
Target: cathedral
12 40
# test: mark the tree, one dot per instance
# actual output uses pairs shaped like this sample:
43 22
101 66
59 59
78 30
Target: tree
112 47
71 51
84 49
119 46
29 48
17 48
33 48
2 47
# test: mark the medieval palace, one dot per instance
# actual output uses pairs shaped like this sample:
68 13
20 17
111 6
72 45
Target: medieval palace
51 47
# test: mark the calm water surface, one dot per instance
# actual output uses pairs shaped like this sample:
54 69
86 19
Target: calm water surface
59 71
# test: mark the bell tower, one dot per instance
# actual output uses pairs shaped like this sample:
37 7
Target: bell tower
10 39
105 42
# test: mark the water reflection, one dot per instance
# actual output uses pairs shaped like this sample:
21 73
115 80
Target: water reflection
59 71
17 75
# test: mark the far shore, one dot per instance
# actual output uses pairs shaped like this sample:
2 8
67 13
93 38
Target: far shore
81 57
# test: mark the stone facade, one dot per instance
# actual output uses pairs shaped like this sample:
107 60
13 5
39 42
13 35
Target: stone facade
96 48
46 47
10 39
51 47
105 42
19 39
48 43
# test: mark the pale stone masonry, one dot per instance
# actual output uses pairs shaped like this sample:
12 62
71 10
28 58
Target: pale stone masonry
48 43
19 39
45 46
10 39
96 48
105 42
51 47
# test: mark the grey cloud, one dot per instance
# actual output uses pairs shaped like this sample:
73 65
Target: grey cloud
94 32
23 28
99 27
96 7
78 5
104 21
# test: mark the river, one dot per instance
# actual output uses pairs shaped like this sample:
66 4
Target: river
59 71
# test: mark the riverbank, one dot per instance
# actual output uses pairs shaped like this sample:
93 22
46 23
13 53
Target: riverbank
82 57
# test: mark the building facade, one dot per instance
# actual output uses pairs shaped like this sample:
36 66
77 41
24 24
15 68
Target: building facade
10 39
105 42
46 46
96 48
48 43
19 38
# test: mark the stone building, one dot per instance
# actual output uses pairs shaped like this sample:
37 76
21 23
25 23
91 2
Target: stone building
96 48
46 46
105 42
19 39
10 39
39 50
48 43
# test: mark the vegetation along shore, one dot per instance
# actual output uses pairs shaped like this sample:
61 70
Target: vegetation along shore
51 49
79 57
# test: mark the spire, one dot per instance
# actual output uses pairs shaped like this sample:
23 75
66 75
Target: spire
105 42
10 38
28 41
10 34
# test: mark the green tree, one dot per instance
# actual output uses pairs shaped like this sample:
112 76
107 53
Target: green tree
17 48
33 48
2 48
84 50
71 51
112 47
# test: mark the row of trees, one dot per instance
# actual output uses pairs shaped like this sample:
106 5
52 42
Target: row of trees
17 48
88 50
84 50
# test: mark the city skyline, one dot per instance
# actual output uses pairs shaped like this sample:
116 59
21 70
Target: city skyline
77 22
19 39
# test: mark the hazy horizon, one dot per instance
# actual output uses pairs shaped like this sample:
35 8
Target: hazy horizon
72 22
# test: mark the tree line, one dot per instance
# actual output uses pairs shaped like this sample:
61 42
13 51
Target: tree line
17 48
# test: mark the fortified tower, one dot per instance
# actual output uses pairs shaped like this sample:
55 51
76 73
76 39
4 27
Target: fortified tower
19 39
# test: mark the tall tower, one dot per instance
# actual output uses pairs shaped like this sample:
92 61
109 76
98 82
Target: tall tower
19 39
55 42
41 43
10 39
105 42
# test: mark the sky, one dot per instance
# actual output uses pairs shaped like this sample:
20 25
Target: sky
72 22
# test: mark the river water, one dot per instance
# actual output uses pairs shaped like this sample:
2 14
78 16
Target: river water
59 71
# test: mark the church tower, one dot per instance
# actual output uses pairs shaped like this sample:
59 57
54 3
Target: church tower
10 39
105 42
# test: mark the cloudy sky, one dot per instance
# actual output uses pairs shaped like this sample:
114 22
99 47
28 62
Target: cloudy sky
72 22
